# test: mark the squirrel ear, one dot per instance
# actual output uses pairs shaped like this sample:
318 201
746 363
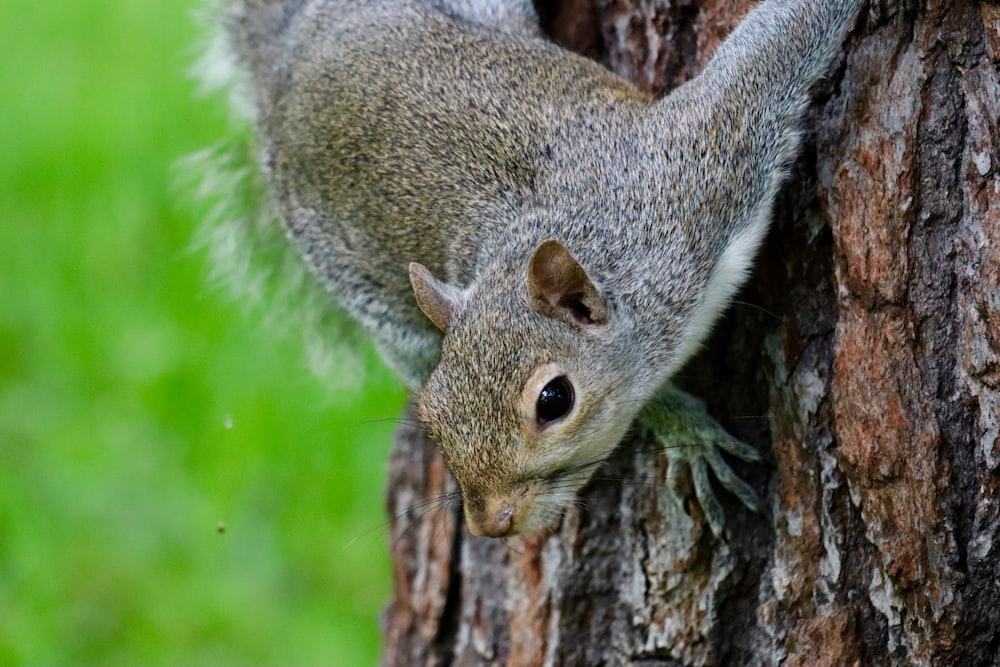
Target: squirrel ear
439 301
560 288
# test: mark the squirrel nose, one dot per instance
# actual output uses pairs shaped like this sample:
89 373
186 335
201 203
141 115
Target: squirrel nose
499 524
504 521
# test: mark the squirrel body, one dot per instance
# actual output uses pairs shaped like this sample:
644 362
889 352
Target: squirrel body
533 243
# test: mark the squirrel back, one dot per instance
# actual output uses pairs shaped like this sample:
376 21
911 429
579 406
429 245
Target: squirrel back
370 174
445 170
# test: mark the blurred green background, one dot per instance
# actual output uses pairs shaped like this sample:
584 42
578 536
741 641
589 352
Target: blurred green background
139 407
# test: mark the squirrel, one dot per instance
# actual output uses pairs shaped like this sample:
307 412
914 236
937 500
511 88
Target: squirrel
532 243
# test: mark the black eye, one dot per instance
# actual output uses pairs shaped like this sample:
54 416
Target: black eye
555 400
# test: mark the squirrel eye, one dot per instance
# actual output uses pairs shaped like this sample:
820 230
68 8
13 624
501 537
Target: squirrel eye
555 400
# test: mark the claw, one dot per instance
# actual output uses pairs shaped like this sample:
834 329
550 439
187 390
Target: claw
710 505
730 481
677 480
694 441
738 448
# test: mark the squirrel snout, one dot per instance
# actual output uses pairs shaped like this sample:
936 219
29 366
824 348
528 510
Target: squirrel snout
492 522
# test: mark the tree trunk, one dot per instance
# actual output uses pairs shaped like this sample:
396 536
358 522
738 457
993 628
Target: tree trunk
863 359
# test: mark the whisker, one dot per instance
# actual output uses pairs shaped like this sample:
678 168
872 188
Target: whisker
429 503
425 501
419 519
757 307
411 512
508 544
399 421
438 525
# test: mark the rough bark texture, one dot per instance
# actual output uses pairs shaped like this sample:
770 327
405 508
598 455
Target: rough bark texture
863 359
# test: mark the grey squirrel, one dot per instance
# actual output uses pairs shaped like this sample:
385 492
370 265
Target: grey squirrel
533 244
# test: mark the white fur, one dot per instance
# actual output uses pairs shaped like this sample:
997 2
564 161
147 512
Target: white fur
727 277
248 255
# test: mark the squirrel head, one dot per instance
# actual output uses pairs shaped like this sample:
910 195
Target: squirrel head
525 402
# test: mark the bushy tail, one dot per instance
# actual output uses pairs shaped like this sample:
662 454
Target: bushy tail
512 16
256 27
249 256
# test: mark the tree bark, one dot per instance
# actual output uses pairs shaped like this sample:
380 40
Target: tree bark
863 359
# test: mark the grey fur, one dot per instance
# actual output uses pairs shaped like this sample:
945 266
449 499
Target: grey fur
451 134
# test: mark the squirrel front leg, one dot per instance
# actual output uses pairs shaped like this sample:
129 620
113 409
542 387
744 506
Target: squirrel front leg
694 442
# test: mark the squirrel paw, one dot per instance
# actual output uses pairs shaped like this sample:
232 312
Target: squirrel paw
694 442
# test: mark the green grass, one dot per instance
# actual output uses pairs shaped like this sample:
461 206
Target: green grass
138 406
